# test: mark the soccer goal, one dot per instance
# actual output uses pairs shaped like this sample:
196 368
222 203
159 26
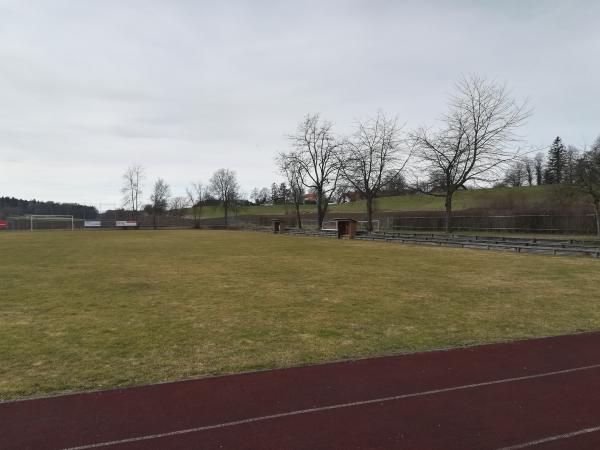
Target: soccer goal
51 221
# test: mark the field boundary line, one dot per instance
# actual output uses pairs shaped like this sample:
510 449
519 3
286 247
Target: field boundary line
332 407
556 437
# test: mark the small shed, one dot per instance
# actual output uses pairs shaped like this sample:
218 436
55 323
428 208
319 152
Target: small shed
346 228
276 225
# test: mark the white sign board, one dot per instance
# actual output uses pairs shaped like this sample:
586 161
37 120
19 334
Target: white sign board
92 223
125 223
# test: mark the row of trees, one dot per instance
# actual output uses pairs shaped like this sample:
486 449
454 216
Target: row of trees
222 189
558 167
569 167
11 206
371 158
282 194
473 144
277 194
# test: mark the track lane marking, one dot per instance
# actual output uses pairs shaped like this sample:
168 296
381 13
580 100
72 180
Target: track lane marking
552 438
332 407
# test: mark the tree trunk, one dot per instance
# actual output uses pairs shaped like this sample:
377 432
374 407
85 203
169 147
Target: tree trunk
298 217
225 211
320 216
321 209
154 220
597 210
448 213
369 214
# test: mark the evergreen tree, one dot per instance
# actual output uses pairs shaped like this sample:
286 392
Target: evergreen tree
557 162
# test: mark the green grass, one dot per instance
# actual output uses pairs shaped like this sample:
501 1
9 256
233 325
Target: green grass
519 198
89 310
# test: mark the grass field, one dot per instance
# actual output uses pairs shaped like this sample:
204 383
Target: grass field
89 310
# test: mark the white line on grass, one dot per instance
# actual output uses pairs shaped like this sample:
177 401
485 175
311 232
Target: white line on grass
329 408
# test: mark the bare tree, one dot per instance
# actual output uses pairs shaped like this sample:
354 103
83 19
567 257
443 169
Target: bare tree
290 167
261 196
132 188
529 167
159 199
178 206
588 178
516 174
255 196
538 164
224 186
196 196
316 150
343 192
372 158
572 158
473 144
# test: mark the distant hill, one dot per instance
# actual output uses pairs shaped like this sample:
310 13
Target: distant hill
544 199
10 206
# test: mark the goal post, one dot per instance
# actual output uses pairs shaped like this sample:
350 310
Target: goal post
69 220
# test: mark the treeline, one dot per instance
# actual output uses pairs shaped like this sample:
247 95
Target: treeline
222 189
570 168
473 145
562 164
281 193
11 206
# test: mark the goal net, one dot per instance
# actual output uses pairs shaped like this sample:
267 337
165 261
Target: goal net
51 222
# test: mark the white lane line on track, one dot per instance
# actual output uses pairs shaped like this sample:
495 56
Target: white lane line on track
329 408
551 438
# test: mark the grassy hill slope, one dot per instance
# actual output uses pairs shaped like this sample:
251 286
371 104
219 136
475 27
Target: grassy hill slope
520 198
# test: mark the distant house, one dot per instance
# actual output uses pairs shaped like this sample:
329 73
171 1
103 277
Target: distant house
350 196
310 198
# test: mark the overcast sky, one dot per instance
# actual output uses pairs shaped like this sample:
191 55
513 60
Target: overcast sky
186 87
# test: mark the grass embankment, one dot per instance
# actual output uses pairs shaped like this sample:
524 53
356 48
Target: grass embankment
89 310
520 198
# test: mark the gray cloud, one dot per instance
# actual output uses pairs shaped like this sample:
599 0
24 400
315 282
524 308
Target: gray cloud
186 87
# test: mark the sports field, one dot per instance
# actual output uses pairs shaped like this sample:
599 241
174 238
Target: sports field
88 310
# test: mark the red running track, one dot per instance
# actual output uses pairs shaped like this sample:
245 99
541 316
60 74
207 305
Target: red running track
538 394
